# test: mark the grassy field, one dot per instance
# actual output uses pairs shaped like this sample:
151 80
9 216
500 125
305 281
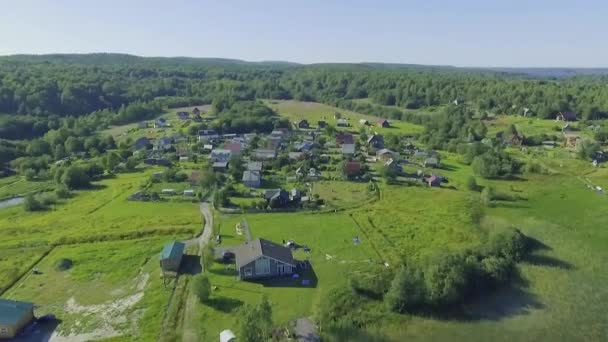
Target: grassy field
333 256
525 126
123 295
313 112
96 213
17 186
338 194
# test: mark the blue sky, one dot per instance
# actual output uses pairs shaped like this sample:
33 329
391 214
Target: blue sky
548 33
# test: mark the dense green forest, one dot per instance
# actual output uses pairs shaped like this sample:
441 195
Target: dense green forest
73 96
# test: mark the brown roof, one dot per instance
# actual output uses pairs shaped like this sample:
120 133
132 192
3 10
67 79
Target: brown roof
344 138
352 167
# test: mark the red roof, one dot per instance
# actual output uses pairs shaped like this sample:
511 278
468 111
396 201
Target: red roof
352 168
234 147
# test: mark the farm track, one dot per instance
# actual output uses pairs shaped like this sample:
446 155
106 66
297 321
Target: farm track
111 199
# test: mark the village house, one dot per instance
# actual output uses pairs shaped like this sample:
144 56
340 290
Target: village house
252 179
14 316
344 138
375 141
189 193
254 166
235 147
196 111
321 124
305 146
171 256
431 162
352 168
220 155
568 128
220 166
515 140
142 143
207 135
163 144
277 198
297 155
183 116
384 123
161 123
348 150
313 174
261 258
571 140
363 122
385 154
342 122
393 165
168 192
264 154
302 124
434 180
566 116
197 118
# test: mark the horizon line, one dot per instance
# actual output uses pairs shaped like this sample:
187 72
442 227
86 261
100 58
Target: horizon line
303 63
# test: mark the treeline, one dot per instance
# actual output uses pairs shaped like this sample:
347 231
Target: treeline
437 285
70 85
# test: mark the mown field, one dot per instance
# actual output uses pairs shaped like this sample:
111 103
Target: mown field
122 297
313 112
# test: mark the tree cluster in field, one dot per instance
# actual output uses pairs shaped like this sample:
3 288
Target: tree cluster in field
437 284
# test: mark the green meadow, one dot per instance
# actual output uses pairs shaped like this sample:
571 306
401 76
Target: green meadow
313 112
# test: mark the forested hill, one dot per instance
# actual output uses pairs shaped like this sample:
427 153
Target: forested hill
76 85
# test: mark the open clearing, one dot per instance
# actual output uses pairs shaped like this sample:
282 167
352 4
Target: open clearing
313 112
123 295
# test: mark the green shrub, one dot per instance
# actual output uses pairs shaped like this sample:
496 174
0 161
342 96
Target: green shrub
31 203
63 264
201 287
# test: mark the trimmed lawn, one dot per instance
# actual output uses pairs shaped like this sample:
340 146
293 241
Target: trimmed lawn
333 256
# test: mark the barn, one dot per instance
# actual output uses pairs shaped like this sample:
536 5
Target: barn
171 256
14 316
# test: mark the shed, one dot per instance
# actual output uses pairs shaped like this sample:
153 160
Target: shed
227 336
14 316
168 191
189 193
171 256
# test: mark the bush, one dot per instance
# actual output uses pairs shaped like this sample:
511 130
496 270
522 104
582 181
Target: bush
201 287
472 184
62 191
407 291
30 174
48 199
30 203
63 264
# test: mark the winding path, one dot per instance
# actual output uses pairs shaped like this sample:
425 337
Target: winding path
203 239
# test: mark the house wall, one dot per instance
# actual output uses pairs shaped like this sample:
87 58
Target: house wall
171 264
274 271
10 331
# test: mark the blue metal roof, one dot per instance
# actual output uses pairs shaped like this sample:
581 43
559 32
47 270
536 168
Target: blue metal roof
172 250
11 312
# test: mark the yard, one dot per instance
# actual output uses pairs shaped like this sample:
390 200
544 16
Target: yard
121 296
333 255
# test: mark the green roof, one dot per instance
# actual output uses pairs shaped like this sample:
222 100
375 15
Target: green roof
172 250
11 312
